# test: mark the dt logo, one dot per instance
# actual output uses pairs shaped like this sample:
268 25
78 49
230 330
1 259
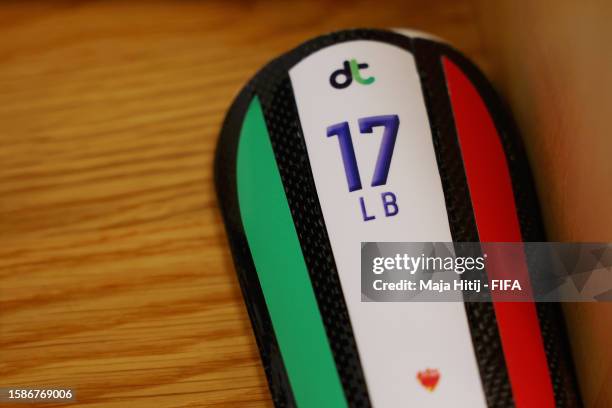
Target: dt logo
429 378
343 77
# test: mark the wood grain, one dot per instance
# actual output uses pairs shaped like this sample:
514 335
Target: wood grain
115 276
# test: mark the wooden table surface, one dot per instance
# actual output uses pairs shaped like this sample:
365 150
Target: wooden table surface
116 278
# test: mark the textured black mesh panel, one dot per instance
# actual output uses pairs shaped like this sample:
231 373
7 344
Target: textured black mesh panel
481 316
225 182
549 314
292 160
278 102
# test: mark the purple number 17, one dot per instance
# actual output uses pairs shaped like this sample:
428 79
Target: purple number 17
383 162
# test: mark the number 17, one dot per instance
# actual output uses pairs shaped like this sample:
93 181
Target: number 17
383 162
